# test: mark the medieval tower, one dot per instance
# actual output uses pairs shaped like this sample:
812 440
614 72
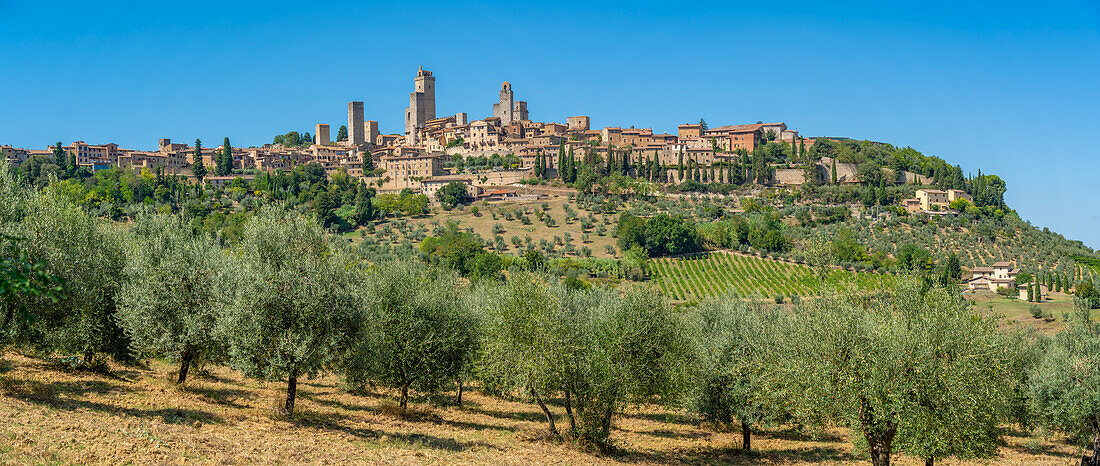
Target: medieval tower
421 104
355 124
504 110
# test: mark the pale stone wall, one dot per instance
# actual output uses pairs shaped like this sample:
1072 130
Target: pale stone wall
320 134
789 176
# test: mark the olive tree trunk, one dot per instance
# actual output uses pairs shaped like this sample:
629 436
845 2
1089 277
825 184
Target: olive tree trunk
746 436
291 391
185 363
546 411
1095 459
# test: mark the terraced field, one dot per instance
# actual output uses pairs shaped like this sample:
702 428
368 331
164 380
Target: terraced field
706 275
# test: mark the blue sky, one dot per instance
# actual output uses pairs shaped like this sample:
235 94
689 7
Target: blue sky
1012 88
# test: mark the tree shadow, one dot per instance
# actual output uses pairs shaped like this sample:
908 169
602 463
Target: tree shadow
666 418
734 455
335 422
167 415
220 396
1044 450
669 434
527 416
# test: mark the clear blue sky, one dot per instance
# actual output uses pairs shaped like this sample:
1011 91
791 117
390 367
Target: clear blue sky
1010 87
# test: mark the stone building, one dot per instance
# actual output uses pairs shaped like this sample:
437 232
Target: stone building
421 107
577 123
355 124
506 107
320 134
370 131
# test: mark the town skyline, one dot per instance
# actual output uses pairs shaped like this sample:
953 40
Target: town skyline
958 86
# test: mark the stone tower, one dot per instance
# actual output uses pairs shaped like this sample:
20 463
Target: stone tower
504 110
370 130
421 104
320 135
355 123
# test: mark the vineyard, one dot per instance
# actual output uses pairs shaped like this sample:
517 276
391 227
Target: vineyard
701 276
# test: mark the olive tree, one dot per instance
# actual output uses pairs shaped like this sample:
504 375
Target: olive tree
638 352
297 296
416 334
173 292
87 258
911 370
598 349
736 342
520 351
1065 384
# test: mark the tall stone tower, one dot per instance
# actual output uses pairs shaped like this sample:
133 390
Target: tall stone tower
504 110
320 134
355 123
421 104
370 130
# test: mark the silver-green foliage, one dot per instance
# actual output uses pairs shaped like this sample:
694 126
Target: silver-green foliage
1065 384
915 371
174 289
415 332
598 349
87 258
297 296
737 345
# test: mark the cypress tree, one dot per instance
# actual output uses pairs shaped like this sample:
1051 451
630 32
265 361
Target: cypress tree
1030 292
802 149
834 171
561 160
59 157
679 165
197 167
1038 293
225 161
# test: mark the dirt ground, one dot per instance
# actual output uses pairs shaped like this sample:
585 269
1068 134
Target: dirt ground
137 416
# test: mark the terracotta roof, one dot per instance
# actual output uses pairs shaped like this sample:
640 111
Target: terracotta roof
981 269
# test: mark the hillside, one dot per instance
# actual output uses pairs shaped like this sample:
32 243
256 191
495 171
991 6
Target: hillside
138 416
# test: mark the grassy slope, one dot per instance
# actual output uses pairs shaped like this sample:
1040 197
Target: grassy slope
139 417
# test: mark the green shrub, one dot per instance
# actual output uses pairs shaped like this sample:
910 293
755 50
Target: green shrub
1036 311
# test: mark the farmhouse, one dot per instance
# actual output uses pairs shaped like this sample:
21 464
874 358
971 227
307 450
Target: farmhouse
1000 275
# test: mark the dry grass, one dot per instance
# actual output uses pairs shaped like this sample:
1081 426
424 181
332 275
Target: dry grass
138 416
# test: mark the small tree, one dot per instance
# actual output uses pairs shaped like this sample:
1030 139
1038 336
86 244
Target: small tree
451 194
736 341
173 292
87 258
915 370
1065 385
197 167
417 335
297 297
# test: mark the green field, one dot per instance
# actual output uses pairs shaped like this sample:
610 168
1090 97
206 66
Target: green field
701 276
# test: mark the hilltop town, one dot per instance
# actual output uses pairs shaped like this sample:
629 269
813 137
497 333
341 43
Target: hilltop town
424 157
